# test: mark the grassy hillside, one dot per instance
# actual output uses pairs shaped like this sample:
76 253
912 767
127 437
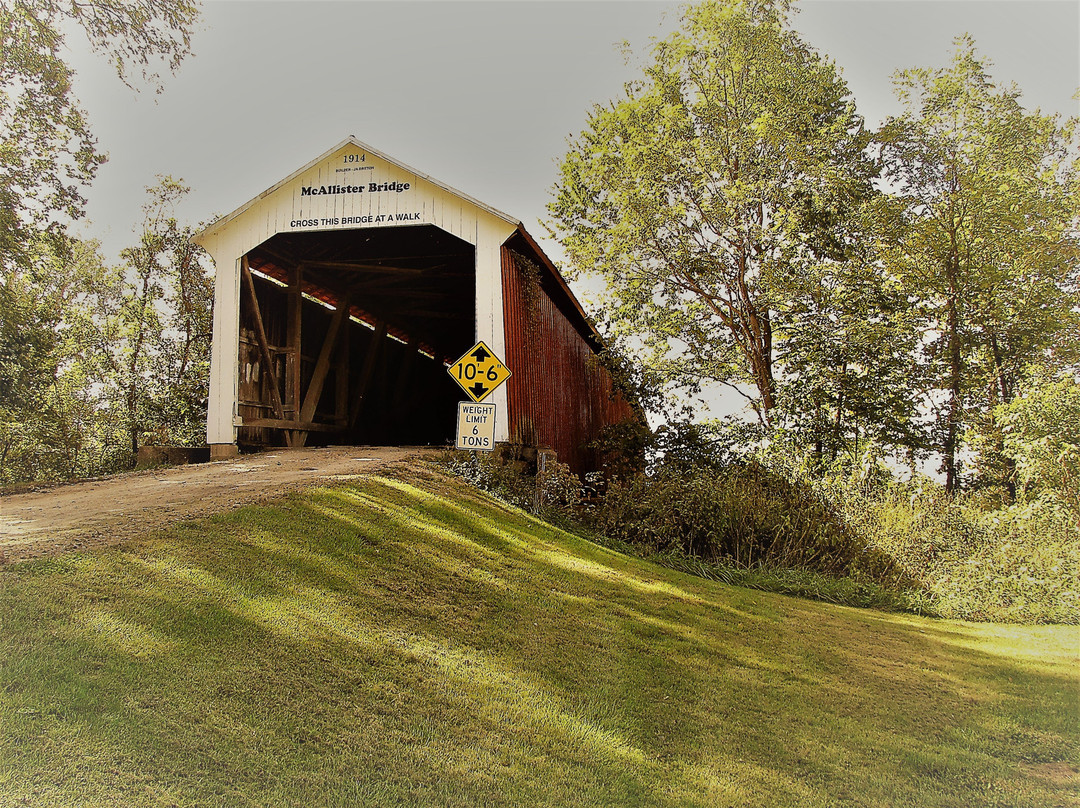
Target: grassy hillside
404 641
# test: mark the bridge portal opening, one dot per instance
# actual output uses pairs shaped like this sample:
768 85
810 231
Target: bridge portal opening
345 336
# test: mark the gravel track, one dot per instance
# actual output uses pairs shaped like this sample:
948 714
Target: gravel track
106 511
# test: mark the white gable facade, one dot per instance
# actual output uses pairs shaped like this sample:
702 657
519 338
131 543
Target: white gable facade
350 187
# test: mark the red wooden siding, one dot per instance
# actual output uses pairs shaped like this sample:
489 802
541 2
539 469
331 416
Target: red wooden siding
559 396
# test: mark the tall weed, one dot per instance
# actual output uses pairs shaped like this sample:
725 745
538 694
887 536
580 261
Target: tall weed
742 514
1016 564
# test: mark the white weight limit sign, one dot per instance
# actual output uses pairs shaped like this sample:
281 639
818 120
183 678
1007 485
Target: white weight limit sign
475 426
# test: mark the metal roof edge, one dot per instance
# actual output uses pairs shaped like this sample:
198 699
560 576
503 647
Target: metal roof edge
351 140
554 270
586 319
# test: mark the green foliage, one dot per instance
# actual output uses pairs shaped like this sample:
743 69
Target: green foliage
554 490
46 148
154 336
56 416
848 351
959 556
851 533
727 200
557 487
27 343
95 360
742 514
48 410
735 165
492 473
988 244
1042 437
1017 564
685 446
623 447
631 447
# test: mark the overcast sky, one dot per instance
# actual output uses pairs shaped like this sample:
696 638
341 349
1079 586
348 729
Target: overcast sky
479 95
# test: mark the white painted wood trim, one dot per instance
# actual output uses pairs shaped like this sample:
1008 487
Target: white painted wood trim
224 353
490 322
220 224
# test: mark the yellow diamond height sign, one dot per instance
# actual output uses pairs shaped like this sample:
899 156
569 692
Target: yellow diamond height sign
479 372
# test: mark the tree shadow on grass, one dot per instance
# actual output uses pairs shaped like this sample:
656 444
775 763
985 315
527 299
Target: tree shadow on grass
343 649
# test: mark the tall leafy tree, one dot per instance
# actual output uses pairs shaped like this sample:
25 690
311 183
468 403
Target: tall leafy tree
28 362
50 396
990 245
47 151
152 328
48 156
848 351
1041 429
168 260
119 355
730 169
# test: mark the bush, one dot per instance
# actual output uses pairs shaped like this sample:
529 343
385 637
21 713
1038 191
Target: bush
500 474
555 490
742 514
854 536
1042 437
1016 564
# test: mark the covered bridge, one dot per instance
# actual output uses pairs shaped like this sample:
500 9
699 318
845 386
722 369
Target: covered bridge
343 293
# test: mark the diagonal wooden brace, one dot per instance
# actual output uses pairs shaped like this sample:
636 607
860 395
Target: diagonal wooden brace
260 334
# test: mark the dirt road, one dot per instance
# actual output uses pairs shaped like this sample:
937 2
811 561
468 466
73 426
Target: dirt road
106 511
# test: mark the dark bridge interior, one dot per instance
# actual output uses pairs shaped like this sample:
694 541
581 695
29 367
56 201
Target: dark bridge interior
345 335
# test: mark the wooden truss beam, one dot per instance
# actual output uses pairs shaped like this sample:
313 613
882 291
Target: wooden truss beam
322 367
362 383
290 426
294 360
363 267
260 334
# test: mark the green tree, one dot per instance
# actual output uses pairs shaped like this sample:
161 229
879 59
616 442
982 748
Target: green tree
152 330
50 410
990 246
848 351
47 152
1041 428
97 359
731 168
27 364
182 368
48 156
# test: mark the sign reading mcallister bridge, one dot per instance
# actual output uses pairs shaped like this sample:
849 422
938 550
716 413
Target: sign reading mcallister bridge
350 190
372 188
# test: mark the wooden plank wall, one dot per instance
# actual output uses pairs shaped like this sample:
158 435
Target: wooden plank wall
560 397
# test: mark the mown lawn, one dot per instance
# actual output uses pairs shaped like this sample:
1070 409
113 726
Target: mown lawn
405 641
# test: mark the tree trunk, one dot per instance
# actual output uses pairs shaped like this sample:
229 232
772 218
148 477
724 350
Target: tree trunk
838 424
1004 391
953 415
